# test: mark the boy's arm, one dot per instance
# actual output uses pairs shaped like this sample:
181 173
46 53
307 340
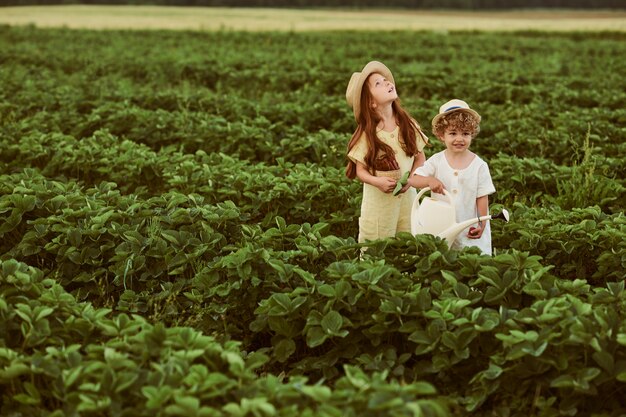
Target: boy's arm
419 181
482 205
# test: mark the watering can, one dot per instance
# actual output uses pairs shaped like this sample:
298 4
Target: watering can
438 217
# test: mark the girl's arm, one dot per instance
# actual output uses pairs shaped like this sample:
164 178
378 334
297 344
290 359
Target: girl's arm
384 184
482 205
418 161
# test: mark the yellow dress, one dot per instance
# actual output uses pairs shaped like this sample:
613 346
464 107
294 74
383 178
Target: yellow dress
383 214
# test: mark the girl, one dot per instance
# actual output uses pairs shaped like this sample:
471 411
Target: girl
459 171
387 143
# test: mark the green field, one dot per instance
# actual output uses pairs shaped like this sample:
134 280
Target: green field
298 20
177 235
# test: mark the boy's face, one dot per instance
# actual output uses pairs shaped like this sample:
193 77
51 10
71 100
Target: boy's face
456 140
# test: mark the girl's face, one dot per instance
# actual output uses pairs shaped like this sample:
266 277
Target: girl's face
457 140
382 90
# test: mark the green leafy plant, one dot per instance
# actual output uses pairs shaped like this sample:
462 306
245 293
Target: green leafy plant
401 183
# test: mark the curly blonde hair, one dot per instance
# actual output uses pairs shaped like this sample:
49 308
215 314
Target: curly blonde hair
458 120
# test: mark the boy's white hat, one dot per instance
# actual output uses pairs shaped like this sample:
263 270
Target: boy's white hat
452 106
355 86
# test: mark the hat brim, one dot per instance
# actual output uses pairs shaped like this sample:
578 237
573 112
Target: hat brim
355 86
472 112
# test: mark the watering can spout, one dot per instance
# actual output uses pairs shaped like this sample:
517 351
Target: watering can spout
451 233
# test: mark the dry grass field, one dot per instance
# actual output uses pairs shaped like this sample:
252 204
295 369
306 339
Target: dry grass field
196 18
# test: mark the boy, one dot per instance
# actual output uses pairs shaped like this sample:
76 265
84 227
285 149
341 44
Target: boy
460 172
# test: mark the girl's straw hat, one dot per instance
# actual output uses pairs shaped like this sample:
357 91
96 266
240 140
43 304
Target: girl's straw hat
452 106
355 86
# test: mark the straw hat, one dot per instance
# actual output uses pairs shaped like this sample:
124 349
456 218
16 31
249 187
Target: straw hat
355 86
452 106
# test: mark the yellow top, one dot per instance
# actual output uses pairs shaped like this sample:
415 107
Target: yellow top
359 150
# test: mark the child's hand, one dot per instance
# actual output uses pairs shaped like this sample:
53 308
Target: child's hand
401 185
435 185
385 184
476 232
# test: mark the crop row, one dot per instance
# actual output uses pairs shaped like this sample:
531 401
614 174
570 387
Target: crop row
259 96
60 357
151 255
297 192
467 325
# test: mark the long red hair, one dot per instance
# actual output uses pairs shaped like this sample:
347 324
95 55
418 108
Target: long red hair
368 121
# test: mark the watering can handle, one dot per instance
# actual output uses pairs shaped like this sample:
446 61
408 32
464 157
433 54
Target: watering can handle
445 192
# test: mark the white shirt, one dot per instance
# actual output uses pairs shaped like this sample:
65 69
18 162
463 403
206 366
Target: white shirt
465 185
